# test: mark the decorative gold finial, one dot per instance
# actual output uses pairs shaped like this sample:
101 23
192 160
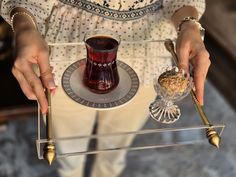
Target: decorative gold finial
213 137
49 152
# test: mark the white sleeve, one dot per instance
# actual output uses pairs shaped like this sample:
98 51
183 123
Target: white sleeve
41 9
171 6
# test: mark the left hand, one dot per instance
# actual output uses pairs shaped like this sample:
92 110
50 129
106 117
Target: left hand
191 49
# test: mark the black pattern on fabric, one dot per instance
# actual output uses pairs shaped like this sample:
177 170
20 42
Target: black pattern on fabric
112 14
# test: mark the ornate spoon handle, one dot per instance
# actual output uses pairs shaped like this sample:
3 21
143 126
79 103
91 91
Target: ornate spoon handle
213 137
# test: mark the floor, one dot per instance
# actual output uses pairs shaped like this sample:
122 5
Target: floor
219 22
18 156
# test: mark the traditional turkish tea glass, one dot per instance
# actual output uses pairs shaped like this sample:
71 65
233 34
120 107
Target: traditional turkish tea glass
101 74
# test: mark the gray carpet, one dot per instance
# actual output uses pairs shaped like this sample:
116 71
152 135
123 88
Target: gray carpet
197 160
18 156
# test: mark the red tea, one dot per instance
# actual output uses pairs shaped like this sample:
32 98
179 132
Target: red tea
101 74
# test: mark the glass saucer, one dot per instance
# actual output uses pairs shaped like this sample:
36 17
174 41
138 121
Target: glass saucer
123 93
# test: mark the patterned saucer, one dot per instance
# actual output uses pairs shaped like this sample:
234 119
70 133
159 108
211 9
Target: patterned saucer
123 93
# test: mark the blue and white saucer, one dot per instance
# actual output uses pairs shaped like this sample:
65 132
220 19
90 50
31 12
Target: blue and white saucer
123 93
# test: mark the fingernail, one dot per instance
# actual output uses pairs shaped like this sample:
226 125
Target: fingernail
44 111
32 97
51 85
53 91
202 103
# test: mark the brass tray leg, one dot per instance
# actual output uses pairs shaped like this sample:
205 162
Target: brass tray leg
212 136
49 150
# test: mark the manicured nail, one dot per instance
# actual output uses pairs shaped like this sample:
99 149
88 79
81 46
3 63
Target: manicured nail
51 85
53 91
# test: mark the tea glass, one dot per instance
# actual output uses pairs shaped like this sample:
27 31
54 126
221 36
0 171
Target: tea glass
101 73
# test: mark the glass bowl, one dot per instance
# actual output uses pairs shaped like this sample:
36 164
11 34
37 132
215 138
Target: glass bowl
172 85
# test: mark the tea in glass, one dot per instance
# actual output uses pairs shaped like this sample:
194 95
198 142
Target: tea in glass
101 74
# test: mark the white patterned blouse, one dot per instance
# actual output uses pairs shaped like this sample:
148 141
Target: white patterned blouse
64 22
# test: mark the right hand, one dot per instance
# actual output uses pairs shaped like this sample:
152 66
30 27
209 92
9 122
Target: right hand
32 49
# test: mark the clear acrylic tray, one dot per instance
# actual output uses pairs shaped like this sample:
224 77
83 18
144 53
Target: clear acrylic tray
147 138
189 129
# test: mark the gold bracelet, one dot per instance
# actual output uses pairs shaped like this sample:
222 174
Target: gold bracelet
194 20
24 14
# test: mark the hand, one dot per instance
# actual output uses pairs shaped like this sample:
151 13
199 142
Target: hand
31 49
191 49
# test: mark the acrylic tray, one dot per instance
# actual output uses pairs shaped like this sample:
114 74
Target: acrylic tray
188 130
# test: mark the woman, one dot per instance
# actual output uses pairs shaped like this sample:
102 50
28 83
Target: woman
36 23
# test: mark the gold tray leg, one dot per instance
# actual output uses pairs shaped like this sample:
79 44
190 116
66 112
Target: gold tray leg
212 136
49 150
